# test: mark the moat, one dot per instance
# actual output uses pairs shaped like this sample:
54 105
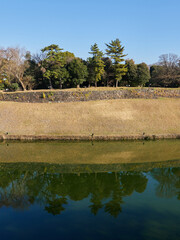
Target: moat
100 190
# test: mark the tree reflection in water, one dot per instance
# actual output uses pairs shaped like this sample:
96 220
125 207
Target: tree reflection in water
168 182
21 188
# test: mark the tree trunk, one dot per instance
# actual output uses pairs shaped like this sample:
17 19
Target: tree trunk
78 86
22 84
116 83
60 83
95 84
50 83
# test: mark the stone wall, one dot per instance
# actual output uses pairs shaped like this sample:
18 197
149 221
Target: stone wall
88 95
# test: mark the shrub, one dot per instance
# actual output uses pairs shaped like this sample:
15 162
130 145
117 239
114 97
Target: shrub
14 86
11 87
1 86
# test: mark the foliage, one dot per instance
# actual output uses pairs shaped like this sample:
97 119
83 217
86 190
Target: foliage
167 72
108 76
1 86
13 65
9 86
31 72
54 65
116 51
97 63
130 78
143 74
14 86
77 72
55 68
91 73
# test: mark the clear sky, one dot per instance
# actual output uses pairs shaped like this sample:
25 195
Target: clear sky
147 28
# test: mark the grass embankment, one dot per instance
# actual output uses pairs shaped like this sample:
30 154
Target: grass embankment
90 89
123 117
80 89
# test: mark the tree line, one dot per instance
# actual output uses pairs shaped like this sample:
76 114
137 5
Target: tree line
55 68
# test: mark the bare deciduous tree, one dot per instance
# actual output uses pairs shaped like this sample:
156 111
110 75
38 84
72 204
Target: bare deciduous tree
170 64
13 64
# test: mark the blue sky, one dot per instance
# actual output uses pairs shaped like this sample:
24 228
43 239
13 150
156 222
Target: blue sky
147 28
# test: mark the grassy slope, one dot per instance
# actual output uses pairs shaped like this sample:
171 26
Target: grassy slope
112 117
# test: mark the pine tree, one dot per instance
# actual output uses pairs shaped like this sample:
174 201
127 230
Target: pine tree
54 65
115 51
97 63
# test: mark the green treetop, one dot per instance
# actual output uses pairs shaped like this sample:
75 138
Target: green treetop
115 51
54 64
77 72
131 75
143 74
97 63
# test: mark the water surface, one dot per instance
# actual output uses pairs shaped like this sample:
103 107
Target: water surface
69 196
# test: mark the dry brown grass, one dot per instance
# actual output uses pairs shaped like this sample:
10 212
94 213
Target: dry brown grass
75 89
105 118
88 89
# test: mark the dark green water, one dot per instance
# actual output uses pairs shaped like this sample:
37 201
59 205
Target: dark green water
91 201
